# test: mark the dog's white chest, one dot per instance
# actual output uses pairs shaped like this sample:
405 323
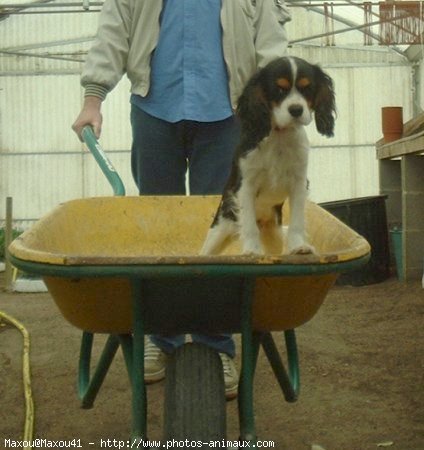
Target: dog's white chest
276 166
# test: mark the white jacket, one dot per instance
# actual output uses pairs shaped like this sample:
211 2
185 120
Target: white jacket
253 35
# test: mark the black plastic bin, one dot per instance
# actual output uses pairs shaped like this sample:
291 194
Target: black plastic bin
367 216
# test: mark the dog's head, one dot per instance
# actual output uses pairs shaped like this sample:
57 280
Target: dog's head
286 93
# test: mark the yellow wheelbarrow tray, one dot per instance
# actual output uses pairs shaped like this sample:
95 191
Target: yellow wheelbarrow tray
159 238
129 266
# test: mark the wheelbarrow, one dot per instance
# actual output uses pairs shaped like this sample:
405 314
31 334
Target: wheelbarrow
129 266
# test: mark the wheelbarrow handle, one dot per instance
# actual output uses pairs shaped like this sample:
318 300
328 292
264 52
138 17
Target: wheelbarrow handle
103 161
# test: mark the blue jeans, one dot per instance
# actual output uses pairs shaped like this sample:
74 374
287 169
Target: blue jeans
162 154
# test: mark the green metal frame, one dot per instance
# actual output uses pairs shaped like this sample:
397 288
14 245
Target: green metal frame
133 349
188 270
133 344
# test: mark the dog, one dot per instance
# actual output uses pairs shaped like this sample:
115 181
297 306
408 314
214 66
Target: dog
271 159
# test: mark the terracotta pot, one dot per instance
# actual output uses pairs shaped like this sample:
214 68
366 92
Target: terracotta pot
392 122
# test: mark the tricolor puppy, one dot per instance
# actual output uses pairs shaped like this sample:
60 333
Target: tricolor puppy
270 163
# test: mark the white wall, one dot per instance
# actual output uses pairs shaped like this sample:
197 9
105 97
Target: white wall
345 166
42 163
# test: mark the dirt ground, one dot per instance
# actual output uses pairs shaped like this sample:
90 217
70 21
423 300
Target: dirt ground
362 375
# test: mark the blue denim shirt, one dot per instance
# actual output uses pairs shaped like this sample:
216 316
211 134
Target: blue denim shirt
189 78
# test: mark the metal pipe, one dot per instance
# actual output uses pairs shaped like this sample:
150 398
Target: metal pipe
345 30
62 42
320 3
35 55
66 11
49 5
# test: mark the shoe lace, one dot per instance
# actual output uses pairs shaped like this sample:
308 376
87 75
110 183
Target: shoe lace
226 364
151 351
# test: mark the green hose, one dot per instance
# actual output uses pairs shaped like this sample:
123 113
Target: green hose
26 376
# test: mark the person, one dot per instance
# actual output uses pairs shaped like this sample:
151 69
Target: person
187 61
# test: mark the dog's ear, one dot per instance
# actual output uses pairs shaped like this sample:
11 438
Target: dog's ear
324 103
254 112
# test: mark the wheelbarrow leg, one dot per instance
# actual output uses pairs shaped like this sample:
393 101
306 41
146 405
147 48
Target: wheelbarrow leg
126 342
293 360
289 382
250 346
139 398
88 388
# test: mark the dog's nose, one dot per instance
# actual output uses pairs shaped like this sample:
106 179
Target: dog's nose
296 110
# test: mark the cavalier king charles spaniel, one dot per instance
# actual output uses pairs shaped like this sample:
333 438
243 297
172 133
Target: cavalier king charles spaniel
270 162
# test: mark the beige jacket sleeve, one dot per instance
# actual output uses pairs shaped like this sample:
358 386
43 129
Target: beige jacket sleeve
107 59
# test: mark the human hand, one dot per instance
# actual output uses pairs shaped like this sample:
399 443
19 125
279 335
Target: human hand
90 115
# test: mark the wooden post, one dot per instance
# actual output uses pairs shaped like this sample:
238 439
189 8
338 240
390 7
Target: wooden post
7 240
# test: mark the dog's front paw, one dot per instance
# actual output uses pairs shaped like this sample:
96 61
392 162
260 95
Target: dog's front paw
297 245
304 249
253 249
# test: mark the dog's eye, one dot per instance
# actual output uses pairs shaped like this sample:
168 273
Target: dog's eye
304 85
283 85
283 91
305 89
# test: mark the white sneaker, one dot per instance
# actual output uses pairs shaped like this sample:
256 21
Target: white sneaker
230 376
154 363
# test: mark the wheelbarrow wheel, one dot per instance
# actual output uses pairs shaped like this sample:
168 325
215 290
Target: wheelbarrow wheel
194 408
